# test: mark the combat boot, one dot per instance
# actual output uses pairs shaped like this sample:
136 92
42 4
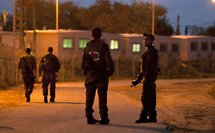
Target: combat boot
91 120
152 116
104 121
28 99
45 99
152 119
141 120
143 117
52 100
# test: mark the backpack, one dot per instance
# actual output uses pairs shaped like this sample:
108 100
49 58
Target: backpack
50 64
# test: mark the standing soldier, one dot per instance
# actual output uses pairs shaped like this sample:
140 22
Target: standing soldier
150 71
97 66
27 65
49 66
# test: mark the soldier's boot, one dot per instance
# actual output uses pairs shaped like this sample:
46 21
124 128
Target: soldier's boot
52 100
104 121
143 118
91 120
45 99
28 99
152 117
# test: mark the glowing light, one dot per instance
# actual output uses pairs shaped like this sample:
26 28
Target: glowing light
213 1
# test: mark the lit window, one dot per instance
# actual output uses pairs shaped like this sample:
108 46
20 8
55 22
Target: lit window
194 46
204 46
136 47
213 46
163 47
83 43
174 47
114 44
67 43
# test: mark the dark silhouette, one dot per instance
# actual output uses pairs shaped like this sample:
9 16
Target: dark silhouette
49 66
27 65
150 70
97 66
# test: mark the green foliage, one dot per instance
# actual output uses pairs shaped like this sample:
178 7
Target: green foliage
111 17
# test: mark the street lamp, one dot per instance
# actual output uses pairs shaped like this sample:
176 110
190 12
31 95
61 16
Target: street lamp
153 17
57 14
213 1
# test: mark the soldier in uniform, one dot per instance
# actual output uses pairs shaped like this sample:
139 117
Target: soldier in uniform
150 70
48 68
27 65
97 66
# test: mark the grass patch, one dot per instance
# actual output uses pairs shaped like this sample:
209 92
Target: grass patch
212 91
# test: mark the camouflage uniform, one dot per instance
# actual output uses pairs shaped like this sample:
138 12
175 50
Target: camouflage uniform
150 70
97 65
49 75
27 64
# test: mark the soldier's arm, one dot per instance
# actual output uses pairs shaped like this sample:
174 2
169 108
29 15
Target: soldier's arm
40 66
108 60
19 68
83 63
34 66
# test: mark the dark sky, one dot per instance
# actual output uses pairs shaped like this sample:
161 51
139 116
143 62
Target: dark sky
192 12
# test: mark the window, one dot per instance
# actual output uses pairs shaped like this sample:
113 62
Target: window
67 43
174 47
194 46
204 46
83 43
136 47
163 47
114 44
213 46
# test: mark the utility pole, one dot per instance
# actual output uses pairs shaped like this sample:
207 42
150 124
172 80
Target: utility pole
177 32
153 17
19 13
57 14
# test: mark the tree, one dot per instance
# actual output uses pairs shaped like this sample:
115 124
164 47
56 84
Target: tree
211 30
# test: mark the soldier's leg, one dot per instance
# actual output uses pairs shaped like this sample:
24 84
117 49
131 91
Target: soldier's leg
26 84
31 85
90 96
102 93
145 99
45 84
52 87
152 109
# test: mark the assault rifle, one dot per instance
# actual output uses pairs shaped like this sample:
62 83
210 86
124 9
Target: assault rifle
137 80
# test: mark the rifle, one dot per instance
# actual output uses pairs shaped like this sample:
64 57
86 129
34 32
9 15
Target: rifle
137 80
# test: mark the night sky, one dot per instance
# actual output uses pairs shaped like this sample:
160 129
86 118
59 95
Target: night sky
192 12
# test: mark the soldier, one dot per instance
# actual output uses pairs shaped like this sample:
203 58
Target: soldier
27 65
49 66
97 66
150 71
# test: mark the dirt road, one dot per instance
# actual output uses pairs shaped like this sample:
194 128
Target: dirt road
183 106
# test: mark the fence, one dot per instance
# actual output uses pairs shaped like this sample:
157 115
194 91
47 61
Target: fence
125 68
8 66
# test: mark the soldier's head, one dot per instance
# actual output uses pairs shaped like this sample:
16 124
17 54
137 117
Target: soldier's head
97 33
28 50
50 49
148 39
